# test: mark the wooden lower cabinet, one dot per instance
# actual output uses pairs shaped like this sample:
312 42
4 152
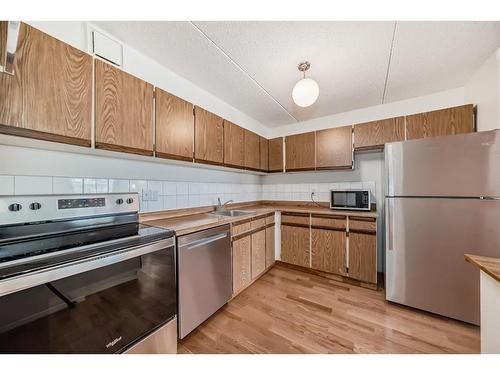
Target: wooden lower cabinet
363 256
295 245
242 263
328 251
258 252
270 246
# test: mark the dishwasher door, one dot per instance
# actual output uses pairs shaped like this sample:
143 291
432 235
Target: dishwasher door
204 276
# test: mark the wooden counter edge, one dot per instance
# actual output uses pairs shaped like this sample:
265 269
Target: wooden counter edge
492 267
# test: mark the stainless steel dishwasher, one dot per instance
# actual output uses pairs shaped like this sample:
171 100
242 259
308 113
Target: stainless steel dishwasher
204 276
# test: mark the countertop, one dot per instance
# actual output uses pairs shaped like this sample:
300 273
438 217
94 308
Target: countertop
489 265
193 222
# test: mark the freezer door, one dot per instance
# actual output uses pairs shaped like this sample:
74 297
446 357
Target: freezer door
426 240
459 165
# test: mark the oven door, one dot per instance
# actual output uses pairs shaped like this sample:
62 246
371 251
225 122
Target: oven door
98 305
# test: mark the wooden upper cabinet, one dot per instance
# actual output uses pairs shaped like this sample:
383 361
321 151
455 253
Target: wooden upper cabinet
208 137
123 111
300 152
49 96
375 134
334 148
264 154
3 41
174 126
234 145
252 151
449 121
275 154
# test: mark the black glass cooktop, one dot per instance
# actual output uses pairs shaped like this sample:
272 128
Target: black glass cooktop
27 253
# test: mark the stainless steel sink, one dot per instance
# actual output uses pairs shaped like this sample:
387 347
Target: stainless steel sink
232 213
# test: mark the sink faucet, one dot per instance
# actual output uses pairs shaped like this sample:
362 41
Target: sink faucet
222 206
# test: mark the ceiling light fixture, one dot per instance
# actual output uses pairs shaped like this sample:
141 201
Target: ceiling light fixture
306 91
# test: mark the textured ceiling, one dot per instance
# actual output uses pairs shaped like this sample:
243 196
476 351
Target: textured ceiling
253 65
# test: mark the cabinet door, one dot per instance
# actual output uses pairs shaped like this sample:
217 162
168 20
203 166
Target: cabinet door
264 154
258 253
300 152
3 41
208 136
123 111
252 151
328 250
234 145
375 134
363 256
447 121
334 148
276 154
174 126
270 246
242 261
295 245
49 96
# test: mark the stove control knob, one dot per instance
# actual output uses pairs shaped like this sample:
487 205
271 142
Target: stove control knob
15 207
119 201
130 200
35 206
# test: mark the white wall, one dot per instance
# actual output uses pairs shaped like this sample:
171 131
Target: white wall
483 89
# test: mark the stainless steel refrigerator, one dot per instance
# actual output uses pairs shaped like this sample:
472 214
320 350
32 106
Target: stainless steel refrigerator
442 201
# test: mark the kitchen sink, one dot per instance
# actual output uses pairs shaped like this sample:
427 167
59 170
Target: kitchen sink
232 213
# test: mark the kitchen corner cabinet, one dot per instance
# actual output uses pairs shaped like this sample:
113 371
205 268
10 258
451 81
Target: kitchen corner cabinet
334 148
123 111
234 145
208 137
264 154
174 127
295 238
363 249
275 155
49 96
300 152
252 151
449 121
375 134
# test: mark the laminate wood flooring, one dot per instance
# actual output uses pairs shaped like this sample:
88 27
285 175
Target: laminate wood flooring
291 311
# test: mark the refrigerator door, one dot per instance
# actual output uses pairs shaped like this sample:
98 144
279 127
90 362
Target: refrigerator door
465 165
425 246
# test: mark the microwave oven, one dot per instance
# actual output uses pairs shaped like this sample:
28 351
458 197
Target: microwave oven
350 200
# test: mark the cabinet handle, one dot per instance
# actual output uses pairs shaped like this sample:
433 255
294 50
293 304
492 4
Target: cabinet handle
11 45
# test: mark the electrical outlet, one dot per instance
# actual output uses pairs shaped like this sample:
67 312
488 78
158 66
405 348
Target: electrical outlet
154 195
145 195
314 190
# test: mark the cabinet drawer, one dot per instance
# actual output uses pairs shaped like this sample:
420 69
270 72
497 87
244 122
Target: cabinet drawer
240 228
270 219
295 218
365 224
258 223
328 222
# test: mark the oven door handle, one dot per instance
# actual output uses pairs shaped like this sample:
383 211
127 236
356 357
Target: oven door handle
206 241
32 279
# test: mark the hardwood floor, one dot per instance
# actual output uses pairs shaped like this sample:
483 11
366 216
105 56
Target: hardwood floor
291 311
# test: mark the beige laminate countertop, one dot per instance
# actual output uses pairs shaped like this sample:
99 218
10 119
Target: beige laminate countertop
486 264
190 223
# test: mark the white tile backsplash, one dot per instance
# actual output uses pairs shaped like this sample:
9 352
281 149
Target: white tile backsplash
67 185
118 186
101 185
32 185
6 185
182 188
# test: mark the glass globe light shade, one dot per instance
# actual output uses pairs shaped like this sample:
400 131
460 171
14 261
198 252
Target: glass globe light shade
305 92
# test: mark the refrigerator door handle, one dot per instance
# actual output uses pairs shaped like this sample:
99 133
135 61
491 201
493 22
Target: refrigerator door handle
390 224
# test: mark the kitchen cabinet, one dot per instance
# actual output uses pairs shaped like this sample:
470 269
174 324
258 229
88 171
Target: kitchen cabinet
276 155
208 137
334 148
258 252
49 96
363 249
123 111
242 263
295 239
234 145
375 134
264 154
3 41
252 151
300 152
174 127
328 244
270 247
448 121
